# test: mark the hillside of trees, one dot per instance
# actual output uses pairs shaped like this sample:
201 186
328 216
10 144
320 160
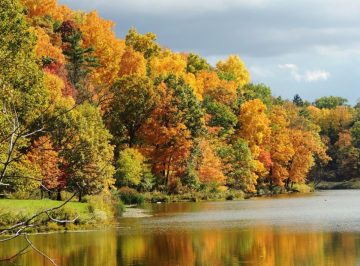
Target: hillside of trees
83 110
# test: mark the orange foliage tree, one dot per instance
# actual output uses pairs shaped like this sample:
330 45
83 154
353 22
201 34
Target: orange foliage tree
210 170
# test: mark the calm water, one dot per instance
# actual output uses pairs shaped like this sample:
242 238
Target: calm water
318 229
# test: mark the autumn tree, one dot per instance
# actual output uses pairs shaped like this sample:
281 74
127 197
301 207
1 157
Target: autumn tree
23 98
44 161
145 44
168 138
98 35
347 159
168 63
233 69
132 63
281 150
255 129
210 168
84 144
133 100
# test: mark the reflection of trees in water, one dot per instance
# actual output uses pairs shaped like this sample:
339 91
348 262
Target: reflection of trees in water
258 246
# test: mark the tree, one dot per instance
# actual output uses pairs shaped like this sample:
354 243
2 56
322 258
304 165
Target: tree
355 134
281 150
220 117
254 125
80 60
45 50
347 159
233 69
210 168
20 76
306 145
168 138
134 98
196 64
98 34
23 98
255 129
183 97
132 169
44 160
132 63
39 8
168 63
239 165
145 44
84 146
255 91
298 101
330 102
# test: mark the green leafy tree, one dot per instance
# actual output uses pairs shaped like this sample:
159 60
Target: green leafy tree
132 170
196 64
186 102
298 101
20 76
134 98
330 102
239 163
255 91
145 44
221 116
80 59
84 146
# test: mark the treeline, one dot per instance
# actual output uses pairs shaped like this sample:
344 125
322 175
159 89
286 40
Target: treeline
83 110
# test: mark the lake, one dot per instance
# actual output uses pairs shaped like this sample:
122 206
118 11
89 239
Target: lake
321 228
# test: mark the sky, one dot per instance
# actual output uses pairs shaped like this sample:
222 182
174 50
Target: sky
305 47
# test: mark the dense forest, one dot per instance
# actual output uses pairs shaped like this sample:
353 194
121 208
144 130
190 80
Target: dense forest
83 110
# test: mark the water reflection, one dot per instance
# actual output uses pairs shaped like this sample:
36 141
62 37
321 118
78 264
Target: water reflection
147 242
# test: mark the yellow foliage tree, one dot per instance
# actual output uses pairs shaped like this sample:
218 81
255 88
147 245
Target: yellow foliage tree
281 150
39 8
108 49
210 170
168 63
45 49
132 62
233 69
255 129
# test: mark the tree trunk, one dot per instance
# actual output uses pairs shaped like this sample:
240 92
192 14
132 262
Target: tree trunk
80 196
58 196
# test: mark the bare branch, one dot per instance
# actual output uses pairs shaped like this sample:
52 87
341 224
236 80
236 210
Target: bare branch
39 251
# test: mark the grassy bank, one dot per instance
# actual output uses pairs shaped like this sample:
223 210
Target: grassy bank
96 213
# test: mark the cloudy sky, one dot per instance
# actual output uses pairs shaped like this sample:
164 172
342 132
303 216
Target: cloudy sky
300 46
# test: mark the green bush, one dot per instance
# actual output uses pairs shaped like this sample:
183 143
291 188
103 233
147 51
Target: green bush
130 196
156 196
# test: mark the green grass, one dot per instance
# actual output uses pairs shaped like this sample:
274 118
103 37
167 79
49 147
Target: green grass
13 211
33 206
